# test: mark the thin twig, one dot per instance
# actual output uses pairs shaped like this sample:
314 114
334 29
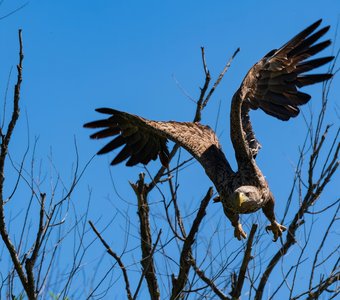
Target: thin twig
13 11
209 282
117 258
217 82
316 256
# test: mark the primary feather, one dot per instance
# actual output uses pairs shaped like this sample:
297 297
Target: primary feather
272 83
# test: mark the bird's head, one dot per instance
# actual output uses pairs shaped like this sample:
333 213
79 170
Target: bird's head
244 196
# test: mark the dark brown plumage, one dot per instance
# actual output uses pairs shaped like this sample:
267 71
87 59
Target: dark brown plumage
272 85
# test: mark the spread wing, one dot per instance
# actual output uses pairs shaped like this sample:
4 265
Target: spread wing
273 84
144 140
140 143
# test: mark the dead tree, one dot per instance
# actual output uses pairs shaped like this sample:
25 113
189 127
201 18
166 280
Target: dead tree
183 252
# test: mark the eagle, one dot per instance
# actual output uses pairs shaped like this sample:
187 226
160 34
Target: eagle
272 84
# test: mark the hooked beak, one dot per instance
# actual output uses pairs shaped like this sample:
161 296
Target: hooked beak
240 198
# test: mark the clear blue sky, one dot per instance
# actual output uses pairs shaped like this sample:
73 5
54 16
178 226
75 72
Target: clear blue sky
133 55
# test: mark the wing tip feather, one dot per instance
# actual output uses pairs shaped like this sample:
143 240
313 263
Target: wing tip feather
106 110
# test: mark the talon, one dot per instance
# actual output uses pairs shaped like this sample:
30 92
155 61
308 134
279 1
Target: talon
239 233
277 230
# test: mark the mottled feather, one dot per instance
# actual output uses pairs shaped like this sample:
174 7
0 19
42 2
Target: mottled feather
145 140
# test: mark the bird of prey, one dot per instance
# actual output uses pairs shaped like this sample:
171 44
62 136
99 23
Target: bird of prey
272 85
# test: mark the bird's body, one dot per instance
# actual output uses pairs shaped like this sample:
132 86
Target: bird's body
271 85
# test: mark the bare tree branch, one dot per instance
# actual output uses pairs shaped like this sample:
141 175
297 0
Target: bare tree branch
314 265
30 262
3 154
141 191
220 77
204 89
186 256
117 258
203 100
147 268
236 292
208 281
322 286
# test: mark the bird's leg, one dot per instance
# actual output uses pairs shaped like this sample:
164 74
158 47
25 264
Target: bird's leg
238 231
234 219
274 226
